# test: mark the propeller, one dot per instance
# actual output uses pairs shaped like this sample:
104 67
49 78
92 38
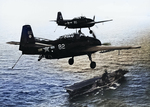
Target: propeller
94 17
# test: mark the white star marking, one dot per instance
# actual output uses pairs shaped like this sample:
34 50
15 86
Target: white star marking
46 49
30 36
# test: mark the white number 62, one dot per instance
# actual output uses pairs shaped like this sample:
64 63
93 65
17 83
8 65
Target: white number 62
61 46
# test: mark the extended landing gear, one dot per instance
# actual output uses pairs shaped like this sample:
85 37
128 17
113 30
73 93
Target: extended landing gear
71 61
92 64
40 57
90 31
79 31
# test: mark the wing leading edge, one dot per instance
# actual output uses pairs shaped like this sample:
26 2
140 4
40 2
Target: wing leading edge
108 48
100 21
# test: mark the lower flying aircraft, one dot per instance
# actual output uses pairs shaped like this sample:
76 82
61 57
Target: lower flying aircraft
80 22
71 45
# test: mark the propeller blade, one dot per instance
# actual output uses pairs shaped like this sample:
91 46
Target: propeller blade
94 17
96 26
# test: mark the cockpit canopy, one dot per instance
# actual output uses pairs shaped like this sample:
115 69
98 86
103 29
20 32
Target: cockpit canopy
81 17
71 36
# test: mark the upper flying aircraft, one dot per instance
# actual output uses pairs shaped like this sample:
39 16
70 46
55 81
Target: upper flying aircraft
80 22
71 45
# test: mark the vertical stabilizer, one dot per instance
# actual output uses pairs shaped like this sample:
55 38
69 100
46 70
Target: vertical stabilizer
27 37
59 17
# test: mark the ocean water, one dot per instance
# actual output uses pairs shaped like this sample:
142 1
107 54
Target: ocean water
41 84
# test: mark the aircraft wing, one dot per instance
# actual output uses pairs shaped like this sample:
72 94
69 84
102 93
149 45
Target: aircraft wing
104 21
104 49
101 21
37 44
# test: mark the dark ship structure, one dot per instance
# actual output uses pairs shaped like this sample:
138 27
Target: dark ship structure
96 83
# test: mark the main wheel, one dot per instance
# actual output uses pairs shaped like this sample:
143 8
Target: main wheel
93 64
91 31
79 31
71 61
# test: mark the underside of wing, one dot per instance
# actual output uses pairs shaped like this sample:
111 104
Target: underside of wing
109 48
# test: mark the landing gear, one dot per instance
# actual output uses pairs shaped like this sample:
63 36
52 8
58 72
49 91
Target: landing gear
71 61
79 31
40 57
92 64
90 31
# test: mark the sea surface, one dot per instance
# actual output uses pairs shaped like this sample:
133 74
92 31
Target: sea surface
41 84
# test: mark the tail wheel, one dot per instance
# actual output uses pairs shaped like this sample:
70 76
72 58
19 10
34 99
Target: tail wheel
71 61
93 64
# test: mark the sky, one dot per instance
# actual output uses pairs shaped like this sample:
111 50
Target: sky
47 9
40 12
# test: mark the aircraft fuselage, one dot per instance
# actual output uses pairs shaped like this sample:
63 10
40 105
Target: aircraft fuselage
66 46
77 23
71 45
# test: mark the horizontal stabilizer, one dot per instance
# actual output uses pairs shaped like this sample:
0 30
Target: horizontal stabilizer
13 43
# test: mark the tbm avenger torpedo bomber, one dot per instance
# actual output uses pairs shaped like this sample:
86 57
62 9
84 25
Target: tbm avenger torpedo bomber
80 22
71 45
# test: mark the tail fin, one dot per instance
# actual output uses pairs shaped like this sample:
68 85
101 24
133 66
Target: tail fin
59 17
27 37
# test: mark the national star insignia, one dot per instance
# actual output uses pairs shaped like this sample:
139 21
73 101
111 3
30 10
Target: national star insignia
46 49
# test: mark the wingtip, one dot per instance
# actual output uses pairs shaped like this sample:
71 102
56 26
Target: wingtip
135 47
139 47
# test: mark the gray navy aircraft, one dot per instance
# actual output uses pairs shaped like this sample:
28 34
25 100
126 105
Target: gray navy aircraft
71 45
